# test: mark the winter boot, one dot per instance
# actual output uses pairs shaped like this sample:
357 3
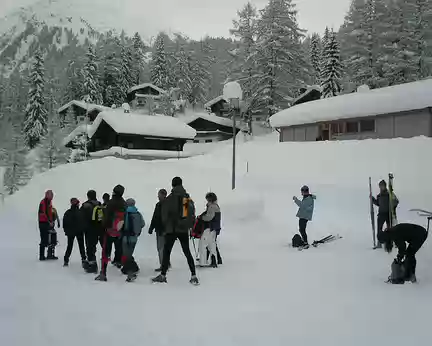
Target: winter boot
51 254
85 264
92 267
132 277
101 277
213 263
42 253
160 279
66 262
194 280
219 257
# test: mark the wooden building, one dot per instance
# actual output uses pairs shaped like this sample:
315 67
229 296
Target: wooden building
218 106
81 109
211 128
136 131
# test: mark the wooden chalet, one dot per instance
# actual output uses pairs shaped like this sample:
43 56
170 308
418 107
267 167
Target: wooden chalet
311 93
81 109
211 128
218 106
116 128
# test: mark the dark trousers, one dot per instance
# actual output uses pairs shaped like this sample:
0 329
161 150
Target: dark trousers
118 250
44 234
91 240
70 242
410 260
169 244
383 218
302 229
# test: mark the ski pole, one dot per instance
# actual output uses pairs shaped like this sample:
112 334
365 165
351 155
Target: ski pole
196 253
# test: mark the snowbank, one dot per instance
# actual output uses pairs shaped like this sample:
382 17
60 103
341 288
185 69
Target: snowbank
138 153
146 125
398 98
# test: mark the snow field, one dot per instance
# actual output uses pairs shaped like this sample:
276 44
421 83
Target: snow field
266 292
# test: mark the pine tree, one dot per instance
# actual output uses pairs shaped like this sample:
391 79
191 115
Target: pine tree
332 68
160 75
127 77
35 125
73 90
91 89
183 72
245 67
137 58
113 93
279 55
316 57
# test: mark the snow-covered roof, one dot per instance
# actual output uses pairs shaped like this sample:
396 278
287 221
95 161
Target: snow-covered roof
214 101
146 125
145 85
87 106
79 130
308 90
394 99
209 117
140 153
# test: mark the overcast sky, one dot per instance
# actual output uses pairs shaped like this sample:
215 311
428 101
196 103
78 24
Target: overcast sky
196 18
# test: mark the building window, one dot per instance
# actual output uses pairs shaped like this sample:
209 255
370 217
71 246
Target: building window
130 145
367 125
352 127
196 141
337 128
208 140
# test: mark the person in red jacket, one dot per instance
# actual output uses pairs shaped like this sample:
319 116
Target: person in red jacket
46 226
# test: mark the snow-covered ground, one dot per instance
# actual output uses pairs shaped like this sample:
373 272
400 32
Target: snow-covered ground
266 293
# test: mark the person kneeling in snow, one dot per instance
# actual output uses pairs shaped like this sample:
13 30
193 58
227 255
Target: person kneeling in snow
133 225
212 227
305 212
401 234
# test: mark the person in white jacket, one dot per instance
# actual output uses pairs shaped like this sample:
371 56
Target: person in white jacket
212 227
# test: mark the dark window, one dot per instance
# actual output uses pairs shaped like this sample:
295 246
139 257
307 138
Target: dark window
352 127
337 128
196 141
208 140
367 125
130 145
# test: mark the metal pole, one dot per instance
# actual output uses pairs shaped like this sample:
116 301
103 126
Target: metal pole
234 150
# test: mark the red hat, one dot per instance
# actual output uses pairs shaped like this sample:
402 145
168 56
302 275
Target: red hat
74 201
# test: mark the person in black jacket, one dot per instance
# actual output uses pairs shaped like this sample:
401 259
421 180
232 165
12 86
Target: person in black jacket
113 218
401 234
157 225
73 225
382 201
91 231
176 226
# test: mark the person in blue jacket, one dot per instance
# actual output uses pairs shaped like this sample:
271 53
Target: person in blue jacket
133 225
305 212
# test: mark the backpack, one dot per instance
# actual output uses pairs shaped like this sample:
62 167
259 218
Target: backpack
197 229
98 214
187 216
117 225
397 275
131 227
297 241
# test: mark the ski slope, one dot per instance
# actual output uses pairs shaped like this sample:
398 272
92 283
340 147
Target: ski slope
266 293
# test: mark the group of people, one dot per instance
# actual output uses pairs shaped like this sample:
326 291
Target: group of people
117 223
393 234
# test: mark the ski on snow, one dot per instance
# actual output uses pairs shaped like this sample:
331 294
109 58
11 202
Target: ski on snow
324 240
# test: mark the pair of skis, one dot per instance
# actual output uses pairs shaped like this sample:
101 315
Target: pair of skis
324 240
392 210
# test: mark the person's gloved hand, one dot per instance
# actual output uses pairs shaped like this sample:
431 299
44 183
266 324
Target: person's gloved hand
150 231
399 258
